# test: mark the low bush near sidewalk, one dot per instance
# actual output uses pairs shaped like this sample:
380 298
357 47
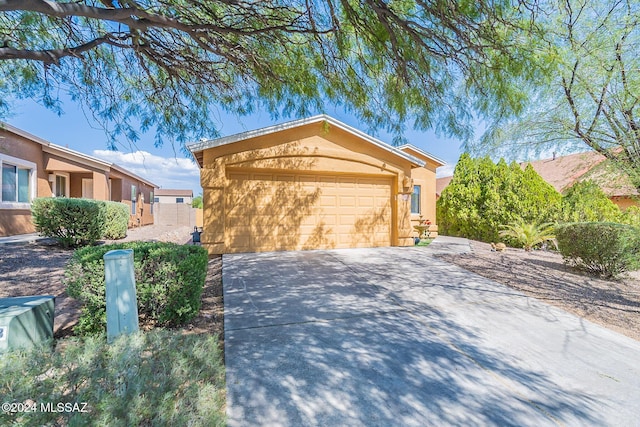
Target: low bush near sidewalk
601 248
159 378
169 282
72 222
79 222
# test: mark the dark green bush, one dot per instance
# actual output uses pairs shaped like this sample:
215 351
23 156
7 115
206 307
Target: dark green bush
72 222
483 195
169 282
601 248
117 220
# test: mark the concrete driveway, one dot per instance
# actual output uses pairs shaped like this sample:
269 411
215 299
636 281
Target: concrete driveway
394 336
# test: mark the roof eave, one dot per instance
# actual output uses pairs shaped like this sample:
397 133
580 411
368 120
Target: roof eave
203 145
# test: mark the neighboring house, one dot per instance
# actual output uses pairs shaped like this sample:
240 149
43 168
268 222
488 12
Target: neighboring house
441 184
173 207
32 167
312 184
564 171
173 196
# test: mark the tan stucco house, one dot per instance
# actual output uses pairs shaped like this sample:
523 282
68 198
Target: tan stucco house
32 167
313 183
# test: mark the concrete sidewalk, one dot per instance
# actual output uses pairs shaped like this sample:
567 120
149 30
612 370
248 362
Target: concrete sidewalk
394 336
21 238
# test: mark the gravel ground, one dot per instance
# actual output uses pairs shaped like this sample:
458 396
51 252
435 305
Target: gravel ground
38 269
614 304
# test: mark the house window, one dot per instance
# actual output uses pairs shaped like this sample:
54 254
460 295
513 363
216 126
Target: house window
179 199
17 180
415 200
133 199
156 200
61 186
15 184
151 201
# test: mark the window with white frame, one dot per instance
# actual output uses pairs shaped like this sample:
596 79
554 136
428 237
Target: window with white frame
61 187
152 200
18 181
134 192
415 200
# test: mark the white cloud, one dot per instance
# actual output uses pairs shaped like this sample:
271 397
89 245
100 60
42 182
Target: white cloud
446 170
166 172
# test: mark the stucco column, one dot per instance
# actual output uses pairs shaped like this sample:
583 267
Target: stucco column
212 179
100 186
403 200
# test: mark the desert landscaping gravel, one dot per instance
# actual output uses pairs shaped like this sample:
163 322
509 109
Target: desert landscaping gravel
614 304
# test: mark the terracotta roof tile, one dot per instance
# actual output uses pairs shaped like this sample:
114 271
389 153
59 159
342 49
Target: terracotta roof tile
564 171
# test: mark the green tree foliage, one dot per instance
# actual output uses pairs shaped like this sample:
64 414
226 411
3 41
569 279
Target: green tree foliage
167 65
483 195
197 202
586 202
589 93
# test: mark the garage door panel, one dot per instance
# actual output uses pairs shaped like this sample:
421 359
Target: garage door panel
328 200
306 211
347 201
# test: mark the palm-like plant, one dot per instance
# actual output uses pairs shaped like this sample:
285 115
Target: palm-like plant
529 234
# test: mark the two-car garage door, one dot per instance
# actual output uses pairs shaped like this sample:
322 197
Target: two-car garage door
282 211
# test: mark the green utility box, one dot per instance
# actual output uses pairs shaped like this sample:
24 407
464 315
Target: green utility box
25 321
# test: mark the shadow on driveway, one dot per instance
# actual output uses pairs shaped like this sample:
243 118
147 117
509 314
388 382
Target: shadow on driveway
392 336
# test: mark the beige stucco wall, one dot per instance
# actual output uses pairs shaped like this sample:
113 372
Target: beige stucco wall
121 192
426 179
312 149
18 221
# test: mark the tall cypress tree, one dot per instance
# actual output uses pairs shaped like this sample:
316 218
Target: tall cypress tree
483 196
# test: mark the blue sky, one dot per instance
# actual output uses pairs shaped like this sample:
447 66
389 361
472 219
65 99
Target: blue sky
167 166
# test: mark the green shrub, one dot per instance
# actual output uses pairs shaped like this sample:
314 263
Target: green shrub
116 221
601 248
483 195
72 222
631 216
159 378
169 282
586 202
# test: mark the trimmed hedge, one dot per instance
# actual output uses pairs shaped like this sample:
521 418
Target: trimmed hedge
72 222
602 248
79 222
169 282
117 220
